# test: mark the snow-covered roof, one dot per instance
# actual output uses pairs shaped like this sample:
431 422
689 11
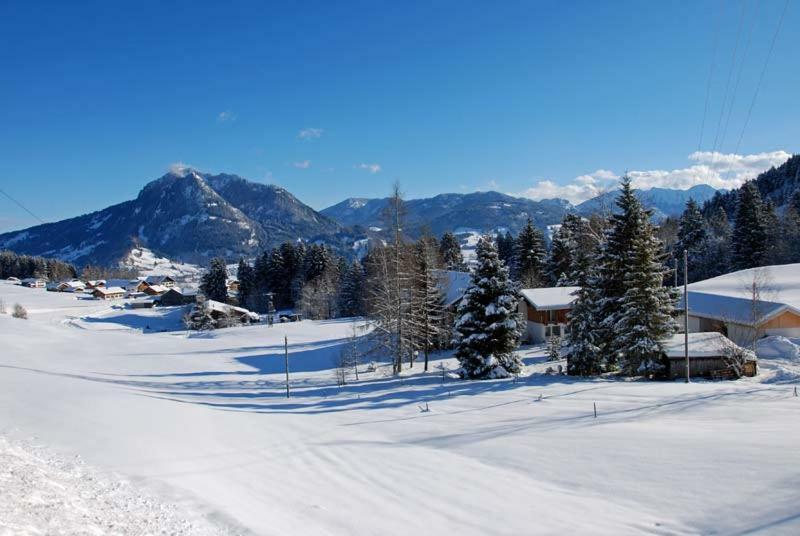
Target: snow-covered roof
453 284
158 288
32 279
157 279
549 298
110 290
124 283
703 344
214 305
729 297
740 310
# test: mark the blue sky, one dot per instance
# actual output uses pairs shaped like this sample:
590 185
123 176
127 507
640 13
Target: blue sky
529 98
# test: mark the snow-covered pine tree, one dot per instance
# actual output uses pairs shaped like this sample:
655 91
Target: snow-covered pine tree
645 318
248 294
718 250
611 266
560 261
749 240
692 237
214 281
427 299
450 252
487 322
583 353
529 257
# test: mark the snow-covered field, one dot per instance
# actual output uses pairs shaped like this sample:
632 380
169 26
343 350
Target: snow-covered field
198 427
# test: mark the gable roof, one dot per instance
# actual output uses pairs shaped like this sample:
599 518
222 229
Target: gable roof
109 290
729 297
157 279
453 284
703 344
550 298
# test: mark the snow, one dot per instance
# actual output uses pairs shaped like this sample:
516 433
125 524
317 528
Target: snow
702 344
778 284
41 492
453 284
549 298
147 263
201 421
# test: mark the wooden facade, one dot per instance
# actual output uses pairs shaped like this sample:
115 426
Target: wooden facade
552 316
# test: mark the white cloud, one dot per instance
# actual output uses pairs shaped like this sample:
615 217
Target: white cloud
715 169
226 116
310 133
304 164
372 168
179 168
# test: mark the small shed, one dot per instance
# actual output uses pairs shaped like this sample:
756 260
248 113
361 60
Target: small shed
13 279
709 356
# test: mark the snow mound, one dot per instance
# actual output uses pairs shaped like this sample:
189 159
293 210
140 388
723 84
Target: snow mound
41 493
777 347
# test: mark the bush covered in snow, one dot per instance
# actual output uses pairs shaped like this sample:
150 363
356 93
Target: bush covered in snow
19 311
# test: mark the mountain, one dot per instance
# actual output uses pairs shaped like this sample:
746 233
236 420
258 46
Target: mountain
664 202
486 211
481 211
777 185
188 215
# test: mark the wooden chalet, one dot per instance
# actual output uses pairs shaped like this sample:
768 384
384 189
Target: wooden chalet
545 311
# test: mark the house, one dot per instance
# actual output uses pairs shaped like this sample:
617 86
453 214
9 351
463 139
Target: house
453 284
176 296
545 312
233 286
163 280
746 305
34 282
94 283
109 293
71 286
13 279
220 311
709 356
154 290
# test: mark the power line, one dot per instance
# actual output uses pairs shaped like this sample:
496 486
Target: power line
717 24
761 77
20 205
739 74
728 82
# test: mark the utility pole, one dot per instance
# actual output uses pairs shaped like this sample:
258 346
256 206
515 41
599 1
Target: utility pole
286 361
686 310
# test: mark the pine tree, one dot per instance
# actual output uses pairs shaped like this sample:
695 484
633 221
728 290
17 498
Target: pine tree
450 252
749 240
692 237
505 248
560 260
214 281
351 290
529 257
612 267
487 324
427 299
248 293
645 318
